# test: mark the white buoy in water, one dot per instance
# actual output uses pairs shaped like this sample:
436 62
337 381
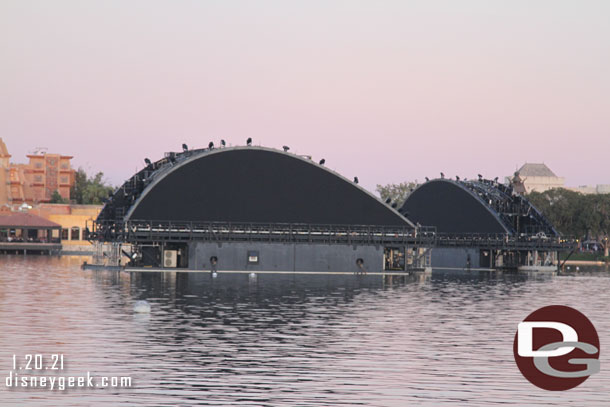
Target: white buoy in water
577 268
214 274
252 275
142 307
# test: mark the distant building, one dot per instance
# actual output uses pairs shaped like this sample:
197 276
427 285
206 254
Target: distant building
536 177
590 189
52 228
4 174
603 188
26 227
35 181
75 221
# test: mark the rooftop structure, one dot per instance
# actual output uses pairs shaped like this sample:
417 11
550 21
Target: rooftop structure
536 170
26 221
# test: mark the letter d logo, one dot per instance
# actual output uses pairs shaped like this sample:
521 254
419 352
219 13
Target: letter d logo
526 338
556 348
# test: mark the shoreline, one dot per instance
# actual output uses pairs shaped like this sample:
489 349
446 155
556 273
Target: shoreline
585 263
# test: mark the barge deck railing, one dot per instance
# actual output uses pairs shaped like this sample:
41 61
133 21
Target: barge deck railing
145 231
135 231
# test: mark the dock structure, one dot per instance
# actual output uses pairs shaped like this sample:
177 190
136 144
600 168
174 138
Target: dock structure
25 233
30 248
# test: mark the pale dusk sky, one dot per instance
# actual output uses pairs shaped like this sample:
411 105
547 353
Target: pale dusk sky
388 91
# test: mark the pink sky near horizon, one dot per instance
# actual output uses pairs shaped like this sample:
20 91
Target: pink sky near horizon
388 91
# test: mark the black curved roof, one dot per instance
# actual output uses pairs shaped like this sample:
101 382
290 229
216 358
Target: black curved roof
482 206
246 185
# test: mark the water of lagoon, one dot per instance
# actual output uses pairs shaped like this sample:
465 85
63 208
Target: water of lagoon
287 340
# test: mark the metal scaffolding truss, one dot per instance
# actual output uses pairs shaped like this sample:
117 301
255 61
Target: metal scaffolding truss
516 212
141 231
137 231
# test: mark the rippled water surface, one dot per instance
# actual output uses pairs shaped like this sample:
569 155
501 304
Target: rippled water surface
283 340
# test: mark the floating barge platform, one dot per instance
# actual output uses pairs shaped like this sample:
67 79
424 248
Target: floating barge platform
258 210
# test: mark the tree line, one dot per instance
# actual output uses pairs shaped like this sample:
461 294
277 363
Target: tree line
87 190
573 213
397 193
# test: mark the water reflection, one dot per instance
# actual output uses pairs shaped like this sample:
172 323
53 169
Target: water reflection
287 340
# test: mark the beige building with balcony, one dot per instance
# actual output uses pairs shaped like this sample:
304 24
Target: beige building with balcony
35 181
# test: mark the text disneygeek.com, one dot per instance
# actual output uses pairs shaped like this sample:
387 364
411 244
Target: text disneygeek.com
16 380
22 375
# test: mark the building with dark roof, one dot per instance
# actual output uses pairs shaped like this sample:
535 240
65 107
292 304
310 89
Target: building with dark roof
24 220
23 232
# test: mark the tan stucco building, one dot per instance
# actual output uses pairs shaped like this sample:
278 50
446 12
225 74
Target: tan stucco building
33 184
35 181
75 222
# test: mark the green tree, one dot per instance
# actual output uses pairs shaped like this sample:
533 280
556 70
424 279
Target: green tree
575 214
80 183
89 190
57 198
396 192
